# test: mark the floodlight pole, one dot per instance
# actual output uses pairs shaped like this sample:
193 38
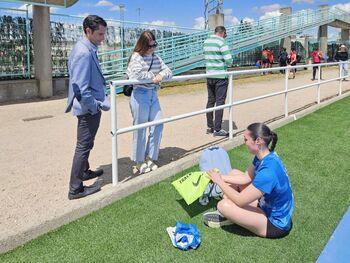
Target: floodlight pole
121 13
139 14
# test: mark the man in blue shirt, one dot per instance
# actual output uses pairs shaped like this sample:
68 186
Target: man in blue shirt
86 99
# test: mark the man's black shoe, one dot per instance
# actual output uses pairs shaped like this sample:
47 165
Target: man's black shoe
210 130
86 190
92 174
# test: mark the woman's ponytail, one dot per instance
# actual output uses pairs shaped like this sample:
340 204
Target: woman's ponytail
274 140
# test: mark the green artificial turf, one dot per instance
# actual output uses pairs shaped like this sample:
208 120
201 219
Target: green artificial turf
315 152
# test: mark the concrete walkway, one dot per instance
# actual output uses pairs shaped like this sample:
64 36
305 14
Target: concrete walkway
37 144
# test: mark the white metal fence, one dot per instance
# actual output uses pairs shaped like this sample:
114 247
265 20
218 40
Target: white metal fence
115 131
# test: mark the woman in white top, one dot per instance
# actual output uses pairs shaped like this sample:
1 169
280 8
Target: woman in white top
144 64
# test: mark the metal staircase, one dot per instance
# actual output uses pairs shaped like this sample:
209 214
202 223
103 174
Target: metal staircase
185 52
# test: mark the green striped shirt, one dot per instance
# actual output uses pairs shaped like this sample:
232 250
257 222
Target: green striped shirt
217 55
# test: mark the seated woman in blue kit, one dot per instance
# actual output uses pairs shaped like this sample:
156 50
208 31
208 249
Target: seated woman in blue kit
260 199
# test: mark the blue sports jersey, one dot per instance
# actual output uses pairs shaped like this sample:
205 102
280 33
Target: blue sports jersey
272 179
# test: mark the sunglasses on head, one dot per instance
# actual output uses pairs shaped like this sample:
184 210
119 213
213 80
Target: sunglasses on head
154 45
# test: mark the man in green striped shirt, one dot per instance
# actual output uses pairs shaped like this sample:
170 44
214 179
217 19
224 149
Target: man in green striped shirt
217 58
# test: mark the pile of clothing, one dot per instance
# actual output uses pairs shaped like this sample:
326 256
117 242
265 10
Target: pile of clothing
184 236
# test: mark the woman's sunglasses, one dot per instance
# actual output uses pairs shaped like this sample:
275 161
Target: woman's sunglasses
154 45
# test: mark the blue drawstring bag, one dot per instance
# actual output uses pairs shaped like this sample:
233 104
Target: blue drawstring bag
184 236
213 158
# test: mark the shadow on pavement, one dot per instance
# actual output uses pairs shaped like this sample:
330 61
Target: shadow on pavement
126 170
225 125
57 96
170 154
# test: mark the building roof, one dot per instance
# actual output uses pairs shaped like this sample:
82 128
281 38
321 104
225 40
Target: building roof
53 3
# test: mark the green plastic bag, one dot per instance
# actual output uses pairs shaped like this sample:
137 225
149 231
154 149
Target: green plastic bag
191 186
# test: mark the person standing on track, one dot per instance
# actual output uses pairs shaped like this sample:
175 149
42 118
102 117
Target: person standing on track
217 58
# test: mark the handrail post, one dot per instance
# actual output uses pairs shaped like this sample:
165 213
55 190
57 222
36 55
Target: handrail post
340 65
318 84
286 74
172 50
230 94
114 135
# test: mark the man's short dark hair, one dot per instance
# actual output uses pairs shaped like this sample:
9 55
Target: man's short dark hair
93 22
220 29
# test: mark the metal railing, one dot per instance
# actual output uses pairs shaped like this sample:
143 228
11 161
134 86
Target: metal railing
185 52
181 48
115 131
115 49
16 40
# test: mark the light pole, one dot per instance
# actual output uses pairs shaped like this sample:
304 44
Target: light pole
138 13
121 13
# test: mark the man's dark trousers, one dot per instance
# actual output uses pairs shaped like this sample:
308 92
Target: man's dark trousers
87 128
283 64
217 91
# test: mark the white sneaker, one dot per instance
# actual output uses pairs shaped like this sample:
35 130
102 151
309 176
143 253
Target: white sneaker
143 168
151 165
222 133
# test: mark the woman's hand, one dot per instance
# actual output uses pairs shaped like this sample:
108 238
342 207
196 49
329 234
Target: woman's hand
215 177
158 78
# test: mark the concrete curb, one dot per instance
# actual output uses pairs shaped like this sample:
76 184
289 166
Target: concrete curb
112 194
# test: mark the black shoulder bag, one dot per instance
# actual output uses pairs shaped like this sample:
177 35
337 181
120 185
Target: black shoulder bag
127 89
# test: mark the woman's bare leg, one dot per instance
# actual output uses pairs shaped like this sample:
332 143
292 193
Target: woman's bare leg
250 217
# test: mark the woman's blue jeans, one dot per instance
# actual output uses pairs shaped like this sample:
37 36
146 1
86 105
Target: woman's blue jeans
343 67
145 107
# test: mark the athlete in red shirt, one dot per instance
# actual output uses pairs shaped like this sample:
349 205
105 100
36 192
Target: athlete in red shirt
316 57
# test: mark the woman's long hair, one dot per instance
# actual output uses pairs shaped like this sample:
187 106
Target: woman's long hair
142 44
260 130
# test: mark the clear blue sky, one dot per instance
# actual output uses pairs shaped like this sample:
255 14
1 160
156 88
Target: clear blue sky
186 13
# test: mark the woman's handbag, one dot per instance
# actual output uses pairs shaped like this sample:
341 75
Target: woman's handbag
127 89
